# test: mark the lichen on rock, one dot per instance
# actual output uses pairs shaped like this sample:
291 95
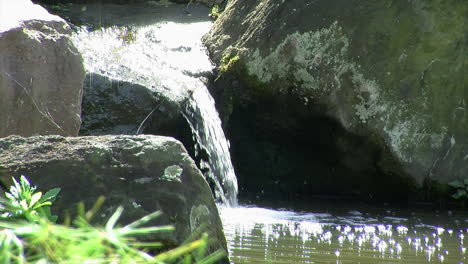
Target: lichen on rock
199 215
391 72
317 60
172 173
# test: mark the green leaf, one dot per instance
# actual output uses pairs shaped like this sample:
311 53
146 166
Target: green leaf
16 184
456 184
113 219
34 199
145 230
143 220
459 194
15 190
24 182
45 211
53 218
26 187
38 205
10 197
50 195
24 204
465 181
213 258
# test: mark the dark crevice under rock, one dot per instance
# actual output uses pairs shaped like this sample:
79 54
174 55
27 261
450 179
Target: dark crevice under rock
283 149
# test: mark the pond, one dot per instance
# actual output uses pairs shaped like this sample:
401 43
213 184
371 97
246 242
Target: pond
343 235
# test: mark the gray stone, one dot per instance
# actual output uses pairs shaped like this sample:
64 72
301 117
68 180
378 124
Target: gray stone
142 173
389 72
112 106
41 73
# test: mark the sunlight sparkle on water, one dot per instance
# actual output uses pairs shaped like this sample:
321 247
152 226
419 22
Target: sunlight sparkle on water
311 238
166 50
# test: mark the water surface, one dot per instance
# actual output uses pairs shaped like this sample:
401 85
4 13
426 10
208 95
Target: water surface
380 235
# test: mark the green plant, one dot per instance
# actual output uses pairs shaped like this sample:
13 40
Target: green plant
461 187
23 202
226 64
215 12
28 236
127 34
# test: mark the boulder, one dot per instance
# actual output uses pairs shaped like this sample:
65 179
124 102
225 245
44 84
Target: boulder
41 73
377 87
142 173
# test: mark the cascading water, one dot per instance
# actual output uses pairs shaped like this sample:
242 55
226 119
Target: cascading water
205 123
167 56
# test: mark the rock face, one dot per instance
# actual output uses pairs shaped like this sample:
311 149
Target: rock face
41 73
377 88
142 173
115 107
206 2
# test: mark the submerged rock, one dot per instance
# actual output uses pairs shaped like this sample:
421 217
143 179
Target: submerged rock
41 73
376 86
142 173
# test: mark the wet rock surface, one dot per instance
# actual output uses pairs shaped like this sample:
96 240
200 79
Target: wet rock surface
351 97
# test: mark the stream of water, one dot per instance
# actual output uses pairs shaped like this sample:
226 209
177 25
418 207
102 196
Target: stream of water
206 127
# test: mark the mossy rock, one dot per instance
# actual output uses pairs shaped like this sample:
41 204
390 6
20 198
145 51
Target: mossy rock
392 72
142 173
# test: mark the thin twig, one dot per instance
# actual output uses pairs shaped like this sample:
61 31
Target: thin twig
144 120
48 117
187 7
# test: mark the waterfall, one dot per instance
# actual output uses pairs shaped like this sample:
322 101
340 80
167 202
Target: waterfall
168 57
208 133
